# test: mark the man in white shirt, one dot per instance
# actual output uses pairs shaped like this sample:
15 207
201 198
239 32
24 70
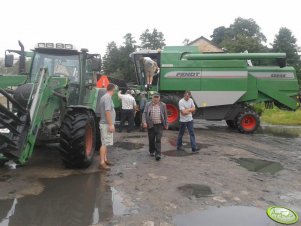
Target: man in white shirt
186 107
128 110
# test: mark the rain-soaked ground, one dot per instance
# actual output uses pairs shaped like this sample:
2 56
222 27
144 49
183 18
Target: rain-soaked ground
232 181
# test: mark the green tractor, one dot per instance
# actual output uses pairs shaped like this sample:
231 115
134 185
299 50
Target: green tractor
54 102
224 86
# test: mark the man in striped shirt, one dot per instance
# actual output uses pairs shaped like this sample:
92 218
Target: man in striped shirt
155 119
128 103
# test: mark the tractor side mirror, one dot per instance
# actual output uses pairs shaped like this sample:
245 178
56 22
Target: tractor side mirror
9 60
96 64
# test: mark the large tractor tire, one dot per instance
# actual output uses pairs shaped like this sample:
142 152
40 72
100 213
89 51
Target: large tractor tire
248 121
172 106
78 138
231 124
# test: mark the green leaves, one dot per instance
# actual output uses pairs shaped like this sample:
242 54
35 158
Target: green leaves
152 40
243 34
286 42
116 61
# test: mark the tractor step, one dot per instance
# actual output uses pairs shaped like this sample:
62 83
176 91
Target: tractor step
14 124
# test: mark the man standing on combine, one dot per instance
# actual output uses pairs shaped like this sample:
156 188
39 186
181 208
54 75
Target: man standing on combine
186 107
106 125
150 67
155 119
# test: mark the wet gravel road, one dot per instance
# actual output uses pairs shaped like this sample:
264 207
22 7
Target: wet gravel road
233 179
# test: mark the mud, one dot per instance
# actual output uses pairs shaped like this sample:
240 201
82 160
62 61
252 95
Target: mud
238 169
128 145
175 153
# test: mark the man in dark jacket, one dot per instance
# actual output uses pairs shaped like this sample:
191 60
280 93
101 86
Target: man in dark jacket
155 119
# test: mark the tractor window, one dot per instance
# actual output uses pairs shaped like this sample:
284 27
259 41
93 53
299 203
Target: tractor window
57 65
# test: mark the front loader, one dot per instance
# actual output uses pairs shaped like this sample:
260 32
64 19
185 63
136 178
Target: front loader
54 102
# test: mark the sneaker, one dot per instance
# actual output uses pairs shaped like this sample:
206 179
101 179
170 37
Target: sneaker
158 157
152 154
180 149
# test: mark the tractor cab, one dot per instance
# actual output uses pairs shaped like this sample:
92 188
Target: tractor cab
138 65
60 60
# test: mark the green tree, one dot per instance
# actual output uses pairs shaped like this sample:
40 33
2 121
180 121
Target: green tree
218 35
152 40
116 61
111 59
286 42
243 34
186 42
125 66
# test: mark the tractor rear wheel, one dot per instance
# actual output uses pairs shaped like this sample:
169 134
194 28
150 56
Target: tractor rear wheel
231 124
172 106
78 138
248 121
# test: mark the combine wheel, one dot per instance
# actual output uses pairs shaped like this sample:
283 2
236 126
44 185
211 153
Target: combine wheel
78 138
172 106
248 121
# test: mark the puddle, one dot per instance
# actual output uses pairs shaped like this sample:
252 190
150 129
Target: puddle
195 190
137 136
175 153
281 131
225 216
186 144
73 200
259 165
128 145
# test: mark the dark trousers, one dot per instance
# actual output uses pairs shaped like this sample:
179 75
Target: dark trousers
154 138
129 116
189 126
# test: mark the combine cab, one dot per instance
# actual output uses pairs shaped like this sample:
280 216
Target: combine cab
223 85
54 102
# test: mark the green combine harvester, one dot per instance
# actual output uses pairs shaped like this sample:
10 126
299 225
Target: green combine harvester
54 102
224 85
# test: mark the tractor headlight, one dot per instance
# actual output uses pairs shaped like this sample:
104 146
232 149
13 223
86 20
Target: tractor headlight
68 46
49 45
59 45
41 45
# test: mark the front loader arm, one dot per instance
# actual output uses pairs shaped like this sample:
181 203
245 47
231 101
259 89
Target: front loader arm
45 102
49 93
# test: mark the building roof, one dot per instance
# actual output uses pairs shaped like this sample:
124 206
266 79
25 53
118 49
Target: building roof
202 38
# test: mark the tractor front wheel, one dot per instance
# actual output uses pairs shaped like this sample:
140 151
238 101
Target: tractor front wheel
173 113
78 138
248 121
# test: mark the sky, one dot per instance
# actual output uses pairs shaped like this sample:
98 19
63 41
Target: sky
93 24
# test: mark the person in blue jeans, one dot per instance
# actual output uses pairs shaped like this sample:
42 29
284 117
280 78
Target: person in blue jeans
186 107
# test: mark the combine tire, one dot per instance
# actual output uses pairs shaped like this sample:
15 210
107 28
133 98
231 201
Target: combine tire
248 121
172 105
231 124
78 138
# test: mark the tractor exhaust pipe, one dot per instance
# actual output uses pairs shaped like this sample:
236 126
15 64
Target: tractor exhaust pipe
21 58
